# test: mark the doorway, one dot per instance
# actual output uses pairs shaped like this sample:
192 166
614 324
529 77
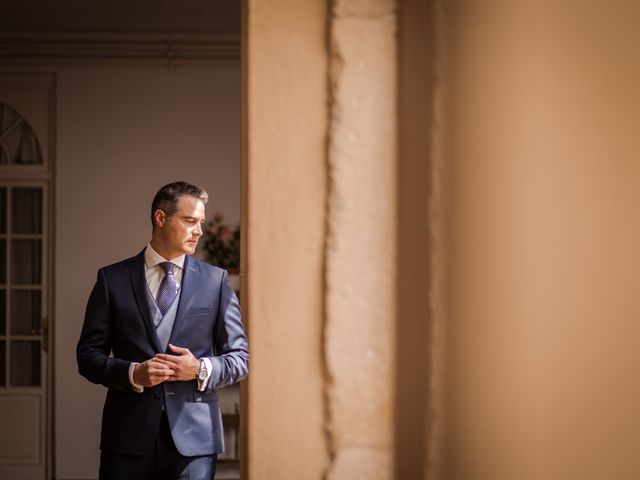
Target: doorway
26 113
134 97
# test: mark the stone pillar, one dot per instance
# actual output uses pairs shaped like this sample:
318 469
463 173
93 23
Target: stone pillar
320 213
285 213
361 245
544 324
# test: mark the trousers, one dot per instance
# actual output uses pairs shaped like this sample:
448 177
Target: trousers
164 462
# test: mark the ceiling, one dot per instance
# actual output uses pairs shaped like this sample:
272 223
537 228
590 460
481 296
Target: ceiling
119 16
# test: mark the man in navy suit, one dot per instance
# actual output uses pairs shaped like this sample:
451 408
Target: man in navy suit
163 332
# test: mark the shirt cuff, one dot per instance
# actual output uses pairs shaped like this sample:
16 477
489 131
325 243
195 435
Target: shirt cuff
202 385
136 388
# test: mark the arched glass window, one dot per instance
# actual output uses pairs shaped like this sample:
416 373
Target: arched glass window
18 142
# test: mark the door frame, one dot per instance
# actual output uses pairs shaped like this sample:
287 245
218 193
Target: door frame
41 175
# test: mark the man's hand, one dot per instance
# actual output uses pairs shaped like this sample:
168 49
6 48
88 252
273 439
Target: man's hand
152 372
184 365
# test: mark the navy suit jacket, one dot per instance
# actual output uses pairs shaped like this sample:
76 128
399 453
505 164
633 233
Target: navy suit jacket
118 329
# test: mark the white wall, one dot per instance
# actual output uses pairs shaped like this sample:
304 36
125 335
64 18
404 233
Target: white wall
123 132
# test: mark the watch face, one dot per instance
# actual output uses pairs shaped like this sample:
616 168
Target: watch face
203 374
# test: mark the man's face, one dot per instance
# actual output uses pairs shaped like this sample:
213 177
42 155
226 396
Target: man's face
180 232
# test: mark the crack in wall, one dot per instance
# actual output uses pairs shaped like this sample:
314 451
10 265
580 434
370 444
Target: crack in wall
360 239
437 229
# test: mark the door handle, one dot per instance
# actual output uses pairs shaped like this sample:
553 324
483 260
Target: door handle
44 331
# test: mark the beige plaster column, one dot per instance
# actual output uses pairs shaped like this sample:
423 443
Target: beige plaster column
285 213
545 306
361 248
320 216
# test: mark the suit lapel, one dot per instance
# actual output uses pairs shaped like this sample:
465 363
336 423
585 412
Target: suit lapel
139 282
190 277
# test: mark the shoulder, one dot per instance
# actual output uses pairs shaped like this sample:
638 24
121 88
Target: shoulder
121 266
206 269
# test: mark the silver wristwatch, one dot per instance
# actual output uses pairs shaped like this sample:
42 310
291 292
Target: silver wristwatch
202 373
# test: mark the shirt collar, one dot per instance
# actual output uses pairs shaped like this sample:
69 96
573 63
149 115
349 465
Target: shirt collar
153 258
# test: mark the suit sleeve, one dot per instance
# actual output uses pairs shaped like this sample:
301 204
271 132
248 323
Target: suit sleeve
94 347
231 360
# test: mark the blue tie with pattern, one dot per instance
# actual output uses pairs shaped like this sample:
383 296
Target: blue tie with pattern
168 288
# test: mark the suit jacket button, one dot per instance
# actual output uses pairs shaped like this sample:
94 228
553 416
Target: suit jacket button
158 394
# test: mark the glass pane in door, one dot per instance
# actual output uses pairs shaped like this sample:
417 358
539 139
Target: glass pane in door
26 210
26 262
25 363
3 311
3 362
3 210
25 312
3 261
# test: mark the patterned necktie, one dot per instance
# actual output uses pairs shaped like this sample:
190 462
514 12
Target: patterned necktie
168 288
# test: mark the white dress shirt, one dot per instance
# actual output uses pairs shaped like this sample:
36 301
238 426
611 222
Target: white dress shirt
154 274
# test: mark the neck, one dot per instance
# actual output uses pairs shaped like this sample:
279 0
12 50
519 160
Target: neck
166 253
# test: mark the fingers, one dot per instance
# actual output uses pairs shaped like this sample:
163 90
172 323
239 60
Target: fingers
169 362
155 363
156 372
175 378
166 358
177 367
160 369
179 350
165 367
148 373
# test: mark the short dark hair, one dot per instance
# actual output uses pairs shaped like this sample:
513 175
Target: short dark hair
168 197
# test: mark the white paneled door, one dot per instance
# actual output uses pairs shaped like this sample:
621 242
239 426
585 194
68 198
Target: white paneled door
26 103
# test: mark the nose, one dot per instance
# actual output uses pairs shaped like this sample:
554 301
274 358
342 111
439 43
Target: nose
198 230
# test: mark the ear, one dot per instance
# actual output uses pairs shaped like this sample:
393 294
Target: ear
159 217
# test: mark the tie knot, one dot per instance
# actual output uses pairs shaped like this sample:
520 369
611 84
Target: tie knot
167 267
